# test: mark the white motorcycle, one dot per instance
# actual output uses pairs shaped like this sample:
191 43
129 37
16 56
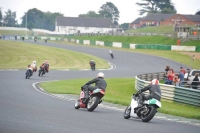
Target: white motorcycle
145 112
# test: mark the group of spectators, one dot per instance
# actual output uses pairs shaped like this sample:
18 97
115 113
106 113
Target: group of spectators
178 79
174 78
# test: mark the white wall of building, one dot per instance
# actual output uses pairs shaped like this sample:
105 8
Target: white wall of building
73 30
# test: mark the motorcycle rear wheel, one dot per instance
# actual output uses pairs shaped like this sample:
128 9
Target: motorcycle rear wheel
149 114
92 103
28 74
127 112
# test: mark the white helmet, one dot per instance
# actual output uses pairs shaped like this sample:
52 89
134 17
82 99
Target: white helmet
100 75
34 62
155 81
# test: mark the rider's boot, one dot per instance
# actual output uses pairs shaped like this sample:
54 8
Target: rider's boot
86 96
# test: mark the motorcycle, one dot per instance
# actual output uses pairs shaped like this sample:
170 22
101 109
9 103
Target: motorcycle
43 70
112 55
92 67
145 112
92 102
45 40
29 73
35 39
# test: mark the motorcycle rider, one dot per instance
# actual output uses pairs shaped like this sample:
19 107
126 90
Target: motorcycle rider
33 67
45 66
99 83
111 53
92 64
35 38
154 90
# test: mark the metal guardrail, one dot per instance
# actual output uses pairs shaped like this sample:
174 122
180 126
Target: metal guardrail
124 34
170 92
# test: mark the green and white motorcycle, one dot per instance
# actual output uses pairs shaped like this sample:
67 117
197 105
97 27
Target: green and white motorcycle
145 112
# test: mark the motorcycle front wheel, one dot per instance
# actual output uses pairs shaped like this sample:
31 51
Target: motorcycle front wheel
92 103
76 105
127 112
148 113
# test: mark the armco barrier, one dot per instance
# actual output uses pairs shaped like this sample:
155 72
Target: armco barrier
170 92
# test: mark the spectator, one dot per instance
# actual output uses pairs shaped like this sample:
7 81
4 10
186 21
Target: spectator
176 80
170 76
178 42
195 82
183 70
181 77
166 71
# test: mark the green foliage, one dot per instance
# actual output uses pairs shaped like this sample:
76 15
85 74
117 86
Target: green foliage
197 13
39 19
156 6
109 10
124 26
9 19
1 17
90 14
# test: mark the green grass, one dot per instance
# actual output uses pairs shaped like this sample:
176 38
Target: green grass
17 55
119 91
172 55
15 32
153 29
163 40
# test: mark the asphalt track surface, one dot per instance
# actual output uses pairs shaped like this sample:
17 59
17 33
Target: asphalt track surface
25 110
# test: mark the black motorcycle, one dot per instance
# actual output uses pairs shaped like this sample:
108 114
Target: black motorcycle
93 67
112 55
43 70
28 73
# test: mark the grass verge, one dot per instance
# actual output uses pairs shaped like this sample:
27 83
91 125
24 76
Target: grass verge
119 91
162 40
17 55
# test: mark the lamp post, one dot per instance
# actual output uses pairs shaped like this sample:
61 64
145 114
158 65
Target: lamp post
26 23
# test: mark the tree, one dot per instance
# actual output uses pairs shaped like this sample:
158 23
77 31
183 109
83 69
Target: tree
198 12
10 19
40 20
124 26
156 6
90 14
109 10
1 17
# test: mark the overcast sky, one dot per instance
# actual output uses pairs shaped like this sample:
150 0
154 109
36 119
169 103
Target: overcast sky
72 8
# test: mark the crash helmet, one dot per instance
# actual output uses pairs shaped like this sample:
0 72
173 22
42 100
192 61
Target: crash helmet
100 75
155 81
34 62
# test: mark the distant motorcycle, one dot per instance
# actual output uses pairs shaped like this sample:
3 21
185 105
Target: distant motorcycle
45 40
43 70
35 39
112 55
92 67
146 112
92 102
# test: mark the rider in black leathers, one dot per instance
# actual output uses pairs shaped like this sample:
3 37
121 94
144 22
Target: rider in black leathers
154 90
99 83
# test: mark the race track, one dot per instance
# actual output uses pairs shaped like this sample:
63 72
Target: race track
25 110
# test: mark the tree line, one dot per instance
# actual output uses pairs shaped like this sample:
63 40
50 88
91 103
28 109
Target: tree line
35 18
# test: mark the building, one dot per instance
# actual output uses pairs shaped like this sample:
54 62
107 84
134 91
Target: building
72 25
155 19
135 24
